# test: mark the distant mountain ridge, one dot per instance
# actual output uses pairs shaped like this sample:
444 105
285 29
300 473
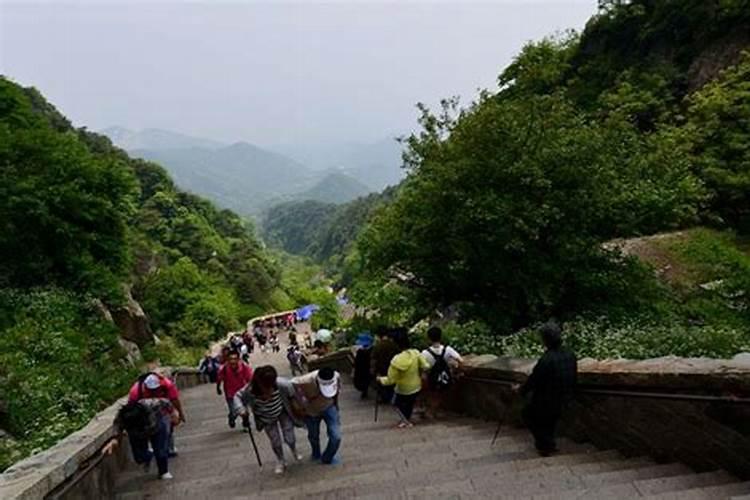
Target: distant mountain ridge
249 179
241 176
377 164
154 138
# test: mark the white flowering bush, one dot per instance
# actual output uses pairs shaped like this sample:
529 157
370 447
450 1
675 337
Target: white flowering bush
600 339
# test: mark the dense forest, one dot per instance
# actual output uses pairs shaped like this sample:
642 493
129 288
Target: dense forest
90 235
637 126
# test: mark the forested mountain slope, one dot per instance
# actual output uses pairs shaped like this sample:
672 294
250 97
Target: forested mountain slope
242 177
322 231
84 227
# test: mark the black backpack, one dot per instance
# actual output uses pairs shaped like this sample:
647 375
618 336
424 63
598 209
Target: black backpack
439 376
138 418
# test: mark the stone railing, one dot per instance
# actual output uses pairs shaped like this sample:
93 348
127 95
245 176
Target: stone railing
694 411
341 361
75 467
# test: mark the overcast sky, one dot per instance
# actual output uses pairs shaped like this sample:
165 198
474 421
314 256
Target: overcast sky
267 73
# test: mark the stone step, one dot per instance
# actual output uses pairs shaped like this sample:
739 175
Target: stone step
624 491
706 493
548 482
437 459
684 482
480 457
411 482
578 463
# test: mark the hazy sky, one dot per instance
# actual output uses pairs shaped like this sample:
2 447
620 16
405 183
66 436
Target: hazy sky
267 72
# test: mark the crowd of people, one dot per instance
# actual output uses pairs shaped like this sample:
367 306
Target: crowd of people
413 382
404 376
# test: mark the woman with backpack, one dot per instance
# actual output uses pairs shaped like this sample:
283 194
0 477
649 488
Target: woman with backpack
152 409
271 399
405 373
443 360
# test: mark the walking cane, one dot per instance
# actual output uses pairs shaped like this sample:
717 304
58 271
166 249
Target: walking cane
499 426
378 391
508 403
255 446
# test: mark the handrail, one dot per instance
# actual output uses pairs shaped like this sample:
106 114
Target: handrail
75 478
629 393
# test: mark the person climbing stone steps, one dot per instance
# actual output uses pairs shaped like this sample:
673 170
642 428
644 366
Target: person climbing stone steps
272 401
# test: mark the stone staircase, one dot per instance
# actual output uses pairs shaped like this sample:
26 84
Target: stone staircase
450 458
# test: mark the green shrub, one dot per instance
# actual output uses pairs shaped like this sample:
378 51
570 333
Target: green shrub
60 363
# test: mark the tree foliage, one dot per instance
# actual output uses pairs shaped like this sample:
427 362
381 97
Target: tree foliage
508 205
63 210
719 124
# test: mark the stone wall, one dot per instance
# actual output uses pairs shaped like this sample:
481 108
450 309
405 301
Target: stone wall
74 467
341 361
616 407
704 434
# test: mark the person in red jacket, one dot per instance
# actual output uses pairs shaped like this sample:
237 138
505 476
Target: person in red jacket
234 374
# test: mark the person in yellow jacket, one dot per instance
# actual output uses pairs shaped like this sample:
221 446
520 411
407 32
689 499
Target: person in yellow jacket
405 372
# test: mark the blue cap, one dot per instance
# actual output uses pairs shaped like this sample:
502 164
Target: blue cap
364 340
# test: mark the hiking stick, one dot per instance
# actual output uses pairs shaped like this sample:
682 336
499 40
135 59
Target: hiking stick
377 403
499 426
255 447
503 418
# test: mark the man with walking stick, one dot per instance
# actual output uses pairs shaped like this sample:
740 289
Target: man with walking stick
551 385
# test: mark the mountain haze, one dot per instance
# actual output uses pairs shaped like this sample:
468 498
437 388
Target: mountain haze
376 164
250 179
154 138
241 177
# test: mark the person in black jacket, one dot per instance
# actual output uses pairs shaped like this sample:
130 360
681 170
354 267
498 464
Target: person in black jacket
362 375
551 385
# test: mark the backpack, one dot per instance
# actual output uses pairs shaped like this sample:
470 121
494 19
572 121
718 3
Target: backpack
294 357
138 418
439 376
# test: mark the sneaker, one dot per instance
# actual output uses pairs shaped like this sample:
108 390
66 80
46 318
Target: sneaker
279 469
147 467
232 423
298 456
166 475
173 452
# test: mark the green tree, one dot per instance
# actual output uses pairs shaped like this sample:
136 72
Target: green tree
63 212
507 206
719 123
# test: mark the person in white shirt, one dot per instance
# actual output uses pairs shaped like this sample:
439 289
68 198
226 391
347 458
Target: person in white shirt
443 361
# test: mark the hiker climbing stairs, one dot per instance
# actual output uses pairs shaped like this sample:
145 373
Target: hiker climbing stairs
447 458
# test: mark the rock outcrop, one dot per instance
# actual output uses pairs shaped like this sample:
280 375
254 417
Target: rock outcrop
132 321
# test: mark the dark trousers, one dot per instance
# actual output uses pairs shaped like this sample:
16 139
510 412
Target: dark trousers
159 443
541 423
405 404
